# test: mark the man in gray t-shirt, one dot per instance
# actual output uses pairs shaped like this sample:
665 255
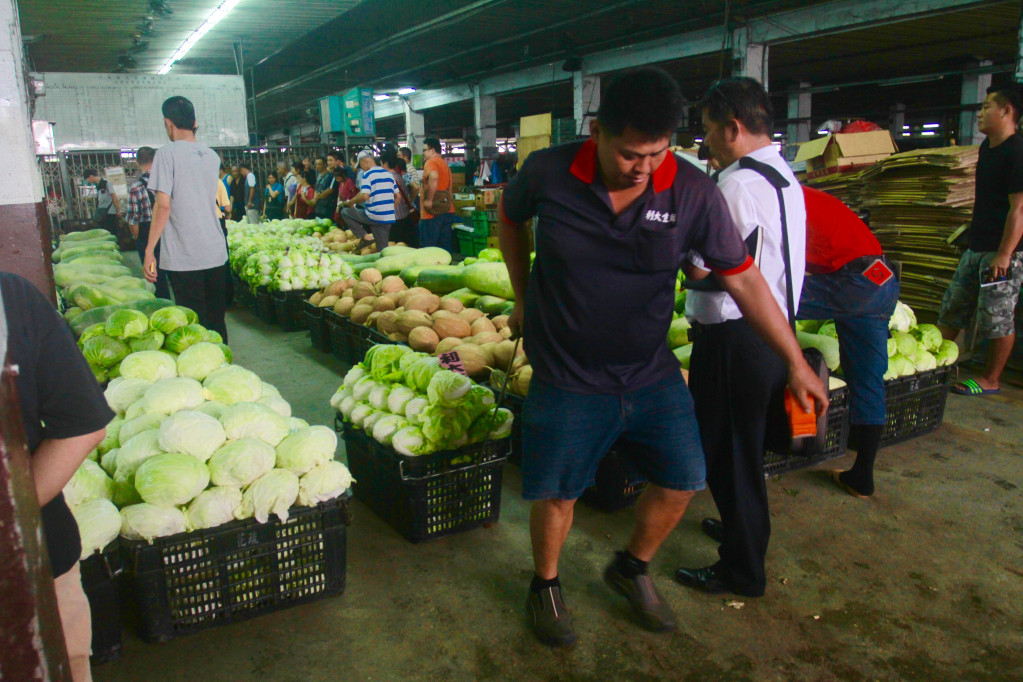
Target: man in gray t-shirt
193 250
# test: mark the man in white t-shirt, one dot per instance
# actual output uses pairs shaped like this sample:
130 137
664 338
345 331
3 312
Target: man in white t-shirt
252 197
735 376
186 220
378 193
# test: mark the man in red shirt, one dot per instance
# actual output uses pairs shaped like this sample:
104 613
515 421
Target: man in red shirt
849 280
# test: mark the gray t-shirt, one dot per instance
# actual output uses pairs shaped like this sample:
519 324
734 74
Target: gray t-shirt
104 196
192 240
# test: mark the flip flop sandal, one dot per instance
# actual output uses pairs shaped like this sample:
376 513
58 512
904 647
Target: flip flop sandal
847 488
971 388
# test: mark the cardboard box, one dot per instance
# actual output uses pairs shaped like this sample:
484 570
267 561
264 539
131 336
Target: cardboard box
458 180
539 124
492 243
527 145
837 152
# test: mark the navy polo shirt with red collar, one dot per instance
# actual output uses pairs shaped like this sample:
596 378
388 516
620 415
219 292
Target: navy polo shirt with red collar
601 291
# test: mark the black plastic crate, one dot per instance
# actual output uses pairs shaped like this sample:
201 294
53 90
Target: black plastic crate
101 574
289 312
915 405
429 496
360 339
618 484
315 321
193 581
265 305
337 332
244 298
836 444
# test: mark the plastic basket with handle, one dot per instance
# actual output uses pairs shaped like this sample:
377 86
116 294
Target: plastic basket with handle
101 573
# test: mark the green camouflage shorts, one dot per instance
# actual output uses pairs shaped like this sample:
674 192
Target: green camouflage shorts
994 304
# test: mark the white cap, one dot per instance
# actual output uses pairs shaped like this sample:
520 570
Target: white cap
364 154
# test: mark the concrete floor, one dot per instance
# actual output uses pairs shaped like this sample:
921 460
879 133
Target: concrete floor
924 581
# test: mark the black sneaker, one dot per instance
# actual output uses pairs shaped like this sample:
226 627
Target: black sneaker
651 610
550 618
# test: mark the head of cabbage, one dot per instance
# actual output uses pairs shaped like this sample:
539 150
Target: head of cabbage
104 351
122 392
213 507
126 323
151 365
272 493
171 479
148 521
137 450
307 448
99 523
192 433
232 384
241 462
151 340
173 395
199 360
252 420
323 482
89 482
166 320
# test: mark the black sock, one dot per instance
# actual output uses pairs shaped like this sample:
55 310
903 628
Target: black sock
539 584
861 477
628 565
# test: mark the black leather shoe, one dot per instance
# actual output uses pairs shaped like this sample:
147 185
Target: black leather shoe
706 579
713 529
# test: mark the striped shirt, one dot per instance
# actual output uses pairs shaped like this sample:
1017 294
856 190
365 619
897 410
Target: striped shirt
379 184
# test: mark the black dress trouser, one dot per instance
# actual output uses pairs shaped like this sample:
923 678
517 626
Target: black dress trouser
736 381
203 291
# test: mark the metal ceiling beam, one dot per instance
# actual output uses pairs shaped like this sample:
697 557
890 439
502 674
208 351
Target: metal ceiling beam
692 44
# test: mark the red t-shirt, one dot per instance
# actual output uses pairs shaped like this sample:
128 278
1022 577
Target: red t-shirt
302 210
834 234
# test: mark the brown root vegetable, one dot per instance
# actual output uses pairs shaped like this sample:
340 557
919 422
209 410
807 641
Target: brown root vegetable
447 327
485 337
428 303
348 293
520 362
388 322
328 301
398 336
399 310
500 322
364 290
506 332
447 345
335 288
423 339
316 298
371 321
452 305
470 315
361 312
371 275
481 325
474 359
392 284
503 353
382 303
344 306
411 319
520 382
416 291
441 314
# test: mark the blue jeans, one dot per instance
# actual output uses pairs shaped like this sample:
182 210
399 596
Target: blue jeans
861 310
437 232
565 435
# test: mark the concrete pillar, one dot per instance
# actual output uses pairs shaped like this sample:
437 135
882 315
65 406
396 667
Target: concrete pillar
974 91
799 107
897 118
749 59
585 101
24 224
415 127
485 114
1018 76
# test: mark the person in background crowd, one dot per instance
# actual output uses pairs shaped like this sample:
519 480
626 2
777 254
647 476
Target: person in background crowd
305 197
404 230
990 272
237 193
252 195
290 185
345 190
435 230
107 206
616 217
185 219
850 281
739 369
64 415
224 213
140 215
307 165
380 195
411 176
225 179
334 159
326 190
282 172
273 198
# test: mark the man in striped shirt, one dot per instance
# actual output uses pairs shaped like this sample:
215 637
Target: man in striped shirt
378 193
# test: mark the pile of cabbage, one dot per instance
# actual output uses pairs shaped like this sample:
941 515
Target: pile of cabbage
173 330
89 273
281 257
197 443
408 401
912 348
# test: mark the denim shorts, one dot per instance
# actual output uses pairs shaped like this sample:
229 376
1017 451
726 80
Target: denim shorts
565 435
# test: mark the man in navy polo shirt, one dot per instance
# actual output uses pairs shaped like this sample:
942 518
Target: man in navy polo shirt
616 216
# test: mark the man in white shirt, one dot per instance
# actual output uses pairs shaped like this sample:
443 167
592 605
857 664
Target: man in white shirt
736 379
378 194
251 195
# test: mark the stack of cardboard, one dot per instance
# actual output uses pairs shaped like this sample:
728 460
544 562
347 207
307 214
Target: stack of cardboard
919 201
534 134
